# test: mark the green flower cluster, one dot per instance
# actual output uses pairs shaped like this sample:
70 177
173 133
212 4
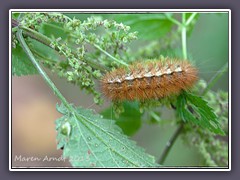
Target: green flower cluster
91 48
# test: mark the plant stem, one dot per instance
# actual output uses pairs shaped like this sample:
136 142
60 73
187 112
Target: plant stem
155 116
190 19
170 144
212 81
95 45
179 129
184 36
40 70
37 54
99 48
174 20
14 23
47 41
215 78
37 36
105 52
183 27
184 51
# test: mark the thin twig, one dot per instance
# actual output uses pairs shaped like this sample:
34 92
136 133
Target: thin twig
179 129
93 44
170 144
184 51
184 36
105 52
215 78
40 70
190 19
173 20
15 23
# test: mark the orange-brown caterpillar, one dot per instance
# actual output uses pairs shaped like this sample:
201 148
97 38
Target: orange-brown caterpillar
149 80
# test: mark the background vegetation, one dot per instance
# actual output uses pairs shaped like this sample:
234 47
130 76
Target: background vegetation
82 47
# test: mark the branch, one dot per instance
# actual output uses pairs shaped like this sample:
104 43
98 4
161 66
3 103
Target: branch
190 19
170 144
105 52
14 23
215 78
40 70
184 36
172 140
47 41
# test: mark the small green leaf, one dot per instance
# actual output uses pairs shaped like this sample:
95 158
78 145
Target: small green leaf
149 26
129 120
21 64
98 142
191 108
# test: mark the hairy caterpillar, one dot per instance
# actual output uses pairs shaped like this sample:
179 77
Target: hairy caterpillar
149 80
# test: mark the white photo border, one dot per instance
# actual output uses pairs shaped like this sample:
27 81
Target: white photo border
118 11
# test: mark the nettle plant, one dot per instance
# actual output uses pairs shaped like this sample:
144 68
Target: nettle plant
84 50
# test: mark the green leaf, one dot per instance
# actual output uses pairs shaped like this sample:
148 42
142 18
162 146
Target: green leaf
196 110
21 64
97 142
53 30
149 26
45 52
129 120
15 15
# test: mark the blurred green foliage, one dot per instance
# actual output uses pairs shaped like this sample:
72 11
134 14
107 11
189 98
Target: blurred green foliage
130 120
158 35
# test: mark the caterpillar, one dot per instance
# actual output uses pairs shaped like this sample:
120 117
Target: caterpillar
149 80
